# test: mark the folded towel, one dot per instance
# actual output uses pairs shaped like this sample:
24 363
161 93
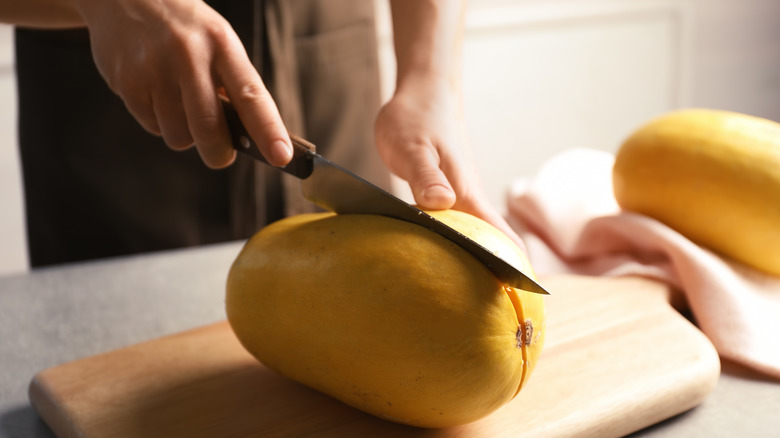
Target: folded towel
571 223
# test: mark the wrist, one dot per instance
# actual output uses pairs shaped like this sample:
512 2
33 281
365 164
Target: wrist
427 35
433 76
429 88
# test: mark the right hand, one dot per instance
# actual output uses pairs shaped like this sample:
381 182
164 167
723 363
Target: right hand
167 59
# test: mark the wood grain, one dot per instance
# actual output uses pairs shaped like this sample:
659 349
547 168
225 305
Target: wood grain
618 358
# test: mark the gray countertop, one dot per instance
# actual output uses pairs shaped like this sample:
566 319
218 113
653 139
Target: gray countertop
55 315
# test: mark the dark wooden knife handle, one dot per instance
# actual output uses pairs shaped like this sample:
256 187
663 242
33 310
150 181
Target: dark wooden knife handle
300 166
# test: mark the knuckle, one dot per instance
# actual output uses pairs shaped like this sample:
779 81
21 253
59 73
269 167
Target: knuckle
219 32
204 123
426 176
205 130
272 127
252 93
175 39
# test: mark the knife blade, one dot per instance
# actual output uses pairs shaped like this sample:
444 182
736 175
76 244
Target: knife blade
336 189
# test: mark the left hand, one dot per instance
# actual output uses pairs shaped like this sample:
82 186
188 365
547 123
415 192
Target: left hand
421 136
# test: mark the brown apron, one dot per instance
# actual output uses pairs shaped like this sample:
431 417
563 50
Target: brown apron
97 185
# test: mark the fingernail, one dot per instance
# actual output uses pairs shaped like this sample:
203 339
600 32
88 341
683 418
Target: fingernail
281 152
438 196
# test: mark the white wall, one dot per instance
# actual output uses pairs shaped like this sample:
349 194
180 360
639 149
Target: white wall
736 56
13 251
541 76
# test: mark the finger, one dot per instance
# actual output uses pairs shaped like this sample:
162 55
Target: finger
171 117
430 186
206 121
254 105
140 107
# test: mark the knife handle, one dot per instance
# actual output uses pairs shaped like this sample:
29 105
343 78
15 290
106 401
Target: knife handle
300 166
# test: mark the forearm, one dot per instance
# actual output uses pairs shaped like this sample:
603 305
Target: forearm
41 13
428 38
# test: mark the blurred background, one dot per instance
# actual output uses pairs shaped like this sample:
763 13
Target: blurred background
542 76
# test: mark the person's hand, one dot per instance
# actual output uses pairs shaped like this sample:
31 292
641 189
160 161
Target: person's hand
168 59
421 136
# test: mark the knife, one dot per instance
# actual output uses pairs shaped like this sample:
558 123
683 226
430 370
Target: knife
336 189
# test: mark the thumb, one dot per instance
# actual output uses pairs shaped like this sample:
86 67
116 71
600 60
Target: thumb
429 184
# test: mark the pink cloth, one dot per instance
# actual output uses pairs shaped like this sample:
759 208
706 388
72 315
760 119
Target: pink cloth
571 223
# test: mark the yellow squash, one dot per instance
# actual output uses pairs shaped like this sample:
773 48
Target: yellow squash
714 176
387 316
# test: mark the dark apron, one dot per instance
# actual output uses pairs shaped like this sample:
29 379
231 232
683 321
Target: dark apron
97 185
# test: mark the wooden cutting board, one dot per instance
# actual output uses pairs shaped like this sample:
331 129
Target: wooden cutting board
618 358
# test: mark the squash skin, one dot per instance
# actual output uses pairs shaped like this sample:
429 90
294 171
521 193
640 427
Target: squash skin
386 316
714 176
